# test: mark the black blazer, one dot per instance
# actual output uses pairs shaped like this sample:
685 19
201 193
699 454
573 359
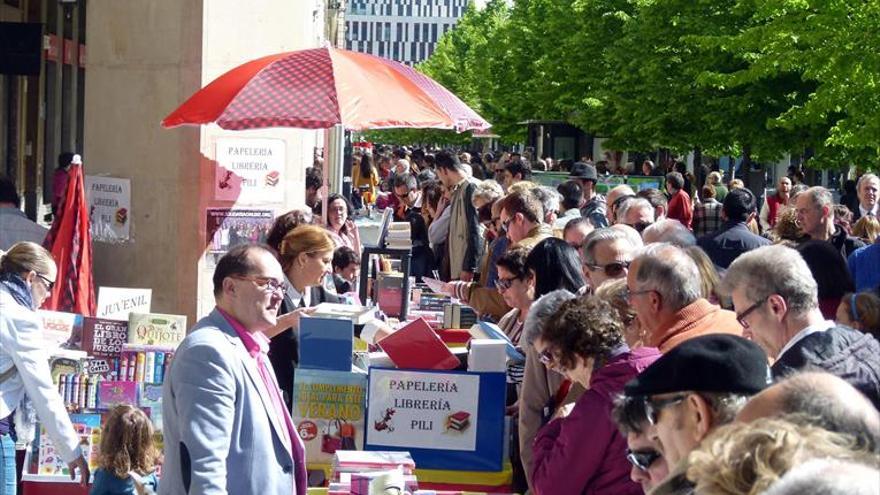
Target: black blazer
284 347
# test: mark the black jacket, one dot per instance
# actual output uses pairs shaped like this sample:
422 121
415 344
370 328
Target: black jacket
727 243
849 354
284 347
844 243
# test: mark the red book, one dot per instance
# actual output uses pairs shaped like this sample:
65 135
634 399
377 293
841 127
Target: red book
416 346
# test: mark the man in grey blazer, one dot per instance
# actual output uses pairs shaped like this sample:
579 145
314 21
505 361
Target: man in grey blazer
226 428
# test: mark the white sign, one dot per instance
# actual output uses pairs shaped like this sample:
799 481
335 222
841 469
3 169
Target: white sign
109 201
250 170
423 410
115 303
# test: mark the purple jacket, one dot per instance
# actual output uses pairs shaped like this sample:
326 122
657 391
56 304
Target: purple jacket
585 453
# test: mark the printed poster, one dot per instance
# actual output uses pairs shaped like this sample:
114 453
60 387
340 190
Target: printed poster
61 330
328 412
115 303
109 201
228 227
413 409
250 170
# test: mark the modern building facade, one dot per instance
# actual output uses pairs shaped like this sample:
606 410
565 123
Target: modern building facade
403 30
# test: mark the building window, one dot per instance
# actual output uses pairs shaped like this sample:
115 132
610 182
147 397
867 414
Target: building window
433 32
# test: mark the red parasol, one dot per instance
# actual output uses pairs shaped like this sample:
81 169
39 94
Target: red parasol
70 243
323 87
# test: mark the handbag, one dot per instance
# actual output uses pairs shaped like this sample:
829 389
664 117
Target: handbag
331 443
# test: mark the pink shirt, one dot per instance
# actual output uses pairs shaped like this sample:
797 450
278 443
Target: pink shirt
257 345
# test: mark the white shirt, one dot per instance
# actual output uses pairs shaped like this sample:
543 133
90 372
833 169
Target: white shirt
296 296
864 212
819 327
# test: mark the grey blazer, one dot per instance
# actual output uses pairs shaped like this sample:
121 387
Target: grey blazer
222 434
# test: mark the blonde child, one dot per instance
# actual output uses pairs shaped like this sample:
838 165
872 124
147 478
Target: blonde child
127 460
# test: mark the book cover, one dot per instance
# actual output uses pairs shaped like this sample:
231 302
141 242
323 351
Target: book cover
102 337
486 330
325 343
61 330
151 398
328 411
156 329
416 346
111 393
358 315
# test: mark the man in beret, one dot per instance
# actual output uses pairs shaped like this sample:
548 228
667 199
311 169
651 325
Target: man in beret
691 390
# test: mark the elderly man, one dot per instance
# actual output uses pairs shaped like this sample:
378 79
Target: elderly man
868 190
637 213
776 301
657 199
821 399
663 288
669 230
607 255
614 197
734 237
693 389
226 427
773 202
575 233
815 216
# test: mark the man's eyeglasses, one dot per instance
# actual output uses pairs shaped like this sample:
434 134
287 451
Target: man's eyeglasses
613 269
741 317
642 459
628 294
654 406
505 225
49 284
268 284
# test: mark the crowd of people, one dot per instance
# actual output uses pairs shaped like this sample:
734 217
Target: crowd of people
673 342
664 332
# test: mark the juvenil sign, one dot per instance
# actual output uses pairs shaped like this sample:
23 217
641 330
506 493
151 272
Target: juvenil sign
116 303
250 170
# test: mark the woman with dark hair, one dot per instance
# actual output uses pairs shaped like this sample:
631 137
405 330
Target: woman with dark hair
831 273
584 341
339 223
555 265
365 178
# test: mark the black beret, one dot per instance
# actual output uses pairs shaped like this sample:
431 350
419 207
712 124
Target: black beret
585 171
709 363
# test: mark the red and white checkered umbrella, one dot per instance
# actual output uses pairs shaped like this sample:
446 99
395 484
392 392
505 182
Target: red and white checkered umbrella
322 87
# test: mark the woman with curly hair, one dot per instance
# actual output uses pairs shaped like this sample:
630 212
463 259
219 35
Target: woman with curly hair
583 451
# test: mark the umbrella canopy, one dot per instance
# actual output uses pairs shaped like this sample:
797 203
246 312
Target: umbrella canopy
70 243
323 87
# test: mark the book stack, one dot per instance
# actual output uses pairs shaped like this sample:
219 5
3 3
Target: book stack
458 316
458 421
399 236
349 462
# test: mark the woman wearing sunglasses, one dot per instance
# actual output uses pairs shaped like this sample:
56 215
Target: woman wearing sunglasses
584 452
27 274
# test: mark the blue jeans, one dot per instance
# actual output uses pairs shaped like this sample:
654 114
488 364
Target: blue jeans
7 465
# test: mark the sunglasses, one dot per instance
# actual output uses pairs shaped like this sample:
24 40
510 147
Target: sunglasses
502 284
642 459
613 269
654 406
741 317
49 283
549 361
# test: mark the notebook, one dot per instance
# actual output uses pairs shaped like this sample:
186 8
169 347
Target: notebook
416 346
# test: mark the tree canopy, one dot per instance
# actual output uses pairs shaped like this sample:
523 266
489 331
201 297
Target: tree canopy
767 76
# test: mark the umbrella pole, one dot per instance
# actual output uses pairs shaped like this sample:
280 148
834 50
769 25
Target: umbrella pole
334 154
